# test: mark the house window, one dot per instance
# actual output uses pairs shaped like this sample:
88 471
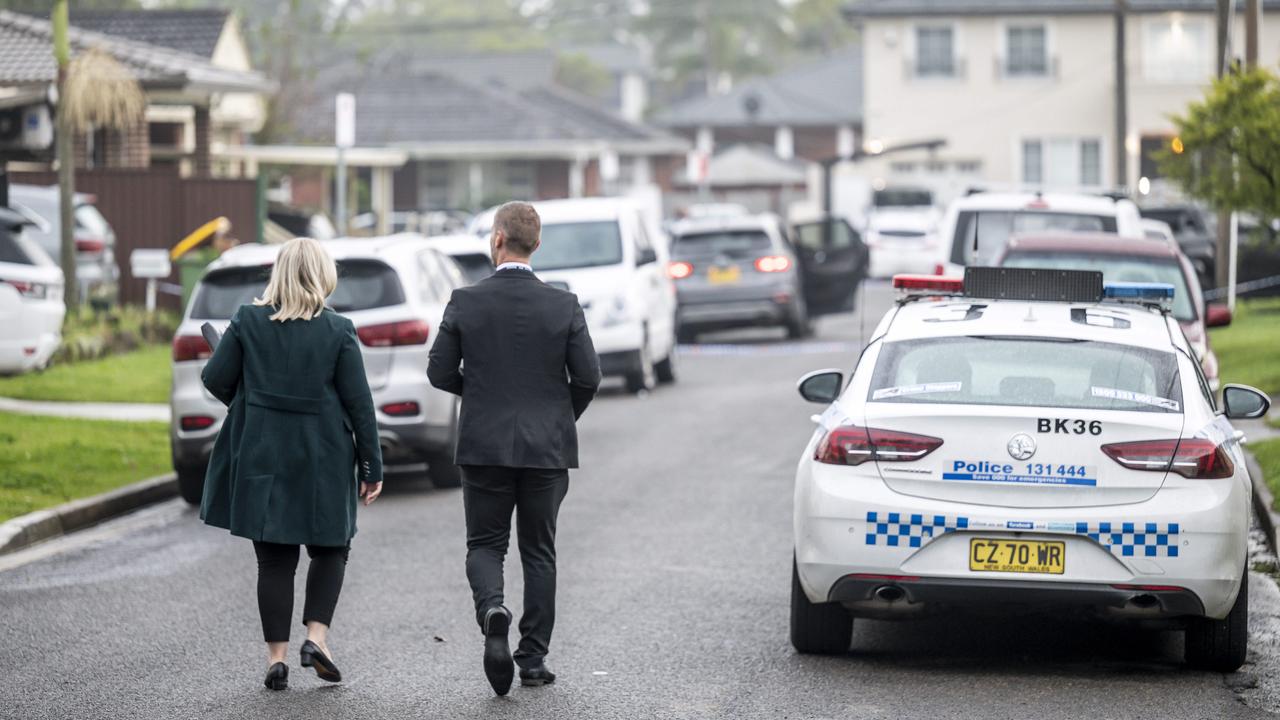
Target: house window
903 168
1177 49
520 179
935 52
1062 162
968 167
435 184
1027 51
1032 162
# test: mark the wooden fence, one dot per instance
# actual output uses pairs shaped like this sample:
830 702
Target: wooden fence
155 208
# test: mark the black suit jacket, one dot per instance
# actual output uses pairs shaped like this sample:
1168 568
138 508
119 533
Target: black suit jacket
519 354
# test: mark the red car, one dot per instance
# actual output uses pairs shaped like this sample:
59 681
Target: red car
1125 259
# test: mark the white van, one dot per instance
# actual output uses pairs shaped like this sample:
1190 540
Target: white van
604 251
977 226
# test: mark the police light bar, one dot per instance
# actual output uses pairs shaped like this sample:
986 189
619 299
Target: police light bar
1036 284
1160 294
928 285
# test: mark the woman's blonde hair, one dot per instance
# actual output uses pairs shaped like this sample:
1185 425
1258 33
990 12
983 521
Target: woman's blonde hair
303 276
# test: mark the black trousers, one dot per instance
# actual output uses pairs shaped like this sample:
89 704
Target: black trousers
276 567
489 495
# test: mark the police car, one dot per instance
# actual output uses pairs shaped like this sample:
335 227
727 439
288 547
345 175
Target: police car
1027 437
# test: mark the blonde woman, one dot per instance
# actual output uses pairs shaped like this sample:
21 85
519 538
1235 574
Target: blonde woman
285 471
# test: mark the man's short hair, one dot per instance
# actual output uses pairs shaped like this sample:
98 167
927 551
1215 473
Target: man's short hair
520 225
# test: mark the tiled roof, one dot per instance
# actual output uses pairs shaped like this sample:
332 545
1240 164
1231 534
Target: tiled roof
398 105
26 58
193 31
899 8
822 92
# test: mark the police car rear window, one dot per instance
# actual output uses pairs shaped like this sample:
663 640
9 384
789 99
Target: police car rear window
1028 372
362 285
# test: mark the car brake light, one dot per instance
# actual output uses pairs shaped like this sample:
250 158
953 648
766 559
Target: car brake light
190 347
90 245
1038 204
401 409
773 263
1195 458
406 332
26 289
938 269
196 422
1150 588
679 270
854 445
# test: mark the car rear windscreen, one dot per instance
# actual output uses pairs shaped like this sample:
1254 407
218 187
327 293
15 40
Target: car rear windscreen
902 197
362 285
577 245
1117 268
731 243
991 229
17 249
1027 371
475 266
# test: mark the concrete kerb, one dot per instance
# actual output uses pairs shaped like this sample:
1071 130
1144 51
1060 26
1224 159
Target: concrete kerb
40 525
1263 501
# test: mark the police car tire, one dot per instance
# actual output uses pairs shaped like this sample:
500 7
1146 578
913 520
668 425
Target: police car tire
190 483
817 628
665 369
1220 645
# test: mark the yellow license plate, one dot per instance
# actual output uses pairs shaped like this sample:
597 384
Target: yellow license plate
721 276
1022 556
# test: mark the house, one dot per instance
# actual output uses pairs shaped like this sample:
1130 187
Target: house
1025 93
472 131
182 89
811 111
629 72
213 34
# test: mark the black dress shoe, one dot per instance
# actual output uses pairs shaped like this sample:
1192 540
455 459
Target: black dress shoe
537 675
313 656
498 666
277 677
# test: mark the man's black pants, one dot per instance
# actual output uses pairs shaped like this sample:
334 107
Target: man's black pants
489 494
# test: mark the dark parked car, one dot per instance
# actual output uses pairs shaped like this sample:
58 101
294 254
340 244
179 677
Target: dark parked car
1196 233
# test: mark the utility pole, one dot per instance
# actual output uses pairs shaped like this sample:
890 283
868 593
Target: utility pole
1222 248
1122 99
1252 21
65 153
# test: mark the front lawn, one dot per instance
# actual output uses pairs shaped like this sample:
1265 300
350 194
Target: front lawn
1249 348
1268 454
46 461
141 376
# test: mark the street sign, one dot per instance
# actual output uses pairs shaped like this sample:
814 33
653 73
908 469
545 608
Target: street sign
150 263
344 128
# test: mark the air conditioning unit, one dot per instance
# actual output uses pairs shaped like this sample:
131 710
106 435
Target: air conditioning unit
26 123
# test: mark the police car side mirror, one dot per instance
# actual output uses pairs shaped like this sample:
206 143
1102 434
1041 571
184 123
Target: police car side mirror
1241 402
821 386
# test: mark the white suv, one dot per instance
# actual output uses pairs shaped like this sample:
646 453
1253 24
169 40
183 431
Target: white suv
605 251
394 290
977 226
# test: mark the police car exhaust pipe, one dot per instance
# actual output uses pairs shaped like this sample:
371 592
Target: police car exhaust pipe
889 593
1144 601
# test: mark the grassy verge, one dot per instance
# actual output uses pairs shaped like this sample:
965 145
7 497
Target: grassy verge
141 376
1268 454
1246 348
47 461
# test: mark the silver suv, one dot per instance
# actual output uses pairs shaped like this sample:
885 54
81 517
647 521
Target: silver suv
394 289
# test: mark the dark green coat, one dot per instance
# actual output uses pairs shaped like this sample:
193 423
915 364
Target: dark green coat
284 467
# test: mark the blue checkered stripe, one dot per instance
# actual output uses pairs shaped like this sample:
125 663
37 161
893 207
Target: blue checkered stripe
906 530
1134 539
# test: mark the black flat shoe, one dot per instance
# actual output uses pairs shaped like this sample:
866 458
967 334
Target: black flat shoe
536 675
498 666
314 657
277 677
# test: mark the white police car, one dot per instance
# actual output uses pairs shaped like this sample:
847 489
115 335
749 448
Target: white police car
992 448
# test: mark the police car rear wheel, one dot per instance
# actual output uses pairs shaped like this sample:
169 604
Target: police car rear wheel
1220 645
817 628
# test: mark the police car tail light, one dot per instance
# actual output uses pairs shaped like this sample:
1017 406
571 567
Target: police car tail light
854 445
1195 458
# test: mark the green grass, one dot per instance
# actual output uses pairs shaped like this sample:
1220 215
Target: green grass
1247 348
46 461
141 376
1268 454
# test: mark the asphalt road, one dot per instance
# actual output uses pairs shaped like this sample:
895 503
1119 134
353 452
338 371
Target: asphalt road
675 551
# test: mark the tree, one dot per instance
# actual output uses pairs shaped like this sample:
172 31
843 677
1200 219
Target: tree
715 42
819 27
1227 151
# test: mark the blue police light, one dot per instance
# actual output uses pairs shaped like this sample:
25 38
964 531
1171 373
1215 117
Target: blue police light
1155 293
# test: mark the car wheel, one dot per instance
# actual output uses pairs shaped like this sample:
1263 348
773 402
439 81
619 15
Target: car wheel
642 378
686 337
817 628
665 370
190 483
799 325
1220 645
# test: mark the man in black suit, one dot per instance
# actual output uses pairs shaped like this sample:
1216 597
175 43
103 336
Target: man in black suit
519 354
